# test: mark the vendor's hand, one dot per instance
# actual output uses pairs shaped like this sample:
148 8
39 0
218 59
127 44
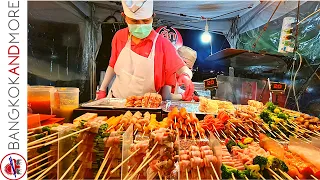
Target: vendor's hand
185 80
101 94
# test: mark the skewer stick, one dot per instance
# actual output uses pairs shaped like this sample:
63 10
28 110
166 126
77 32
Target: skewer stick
71 166
297 178
314 177
147 155
159 175
39 156
224 135
261 176
185 137
41 139
211 177
274 173
143 165
214 127
199 176
187 177
233 178
77 172
275 177
294 133
60 159
108 169
36 168
131 169
245 177
31 177
285 174
251 128
38 161
124 161
51 142
243 132
120 127
232 134
135 132
214 170
29 133
103 164
143 134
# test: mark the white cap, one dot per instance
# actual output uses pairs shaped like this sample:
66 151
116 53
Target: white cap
138 9
188 55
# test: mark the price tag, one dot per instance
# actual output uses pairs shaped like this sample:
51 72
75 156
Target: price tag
277 87
211 83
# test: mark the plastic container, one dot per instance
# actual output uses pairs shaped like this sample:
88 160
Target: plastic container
64 101
39 99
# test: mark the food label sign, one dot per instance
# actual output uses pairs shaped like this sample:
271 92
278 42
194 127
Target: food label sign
172 34
211 83
277 87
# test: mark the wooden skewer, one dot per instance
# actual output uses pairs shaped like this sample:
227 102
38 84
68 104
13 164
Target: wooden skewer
214 170
261 176
143 165
275 177
224 135
124 161
34 175
143 134
274 173
159 175
199 176
39 156
41 139
38 167
77 172
108 169
251 128
246 177
232 134
185 137
243 133
285 174
135 132
314 177
29 133
103 164
60 159
187 177
233 178
71 166
51 142
38 161
216 130
211 177
297 178
294 133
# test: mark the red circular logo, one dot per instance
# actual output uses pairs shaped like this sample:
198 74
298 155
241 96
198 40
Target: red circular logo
13 166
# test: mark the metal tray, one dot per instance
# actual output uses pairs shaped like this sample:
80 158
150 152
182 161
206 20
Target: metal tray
112 103
191 107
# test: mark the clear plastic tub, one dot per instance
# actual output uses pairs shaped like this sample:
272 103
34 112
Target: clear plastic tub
63 101
39 99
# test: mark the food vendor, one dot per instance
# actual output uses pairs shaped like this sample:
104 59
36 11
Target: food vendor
189 56
141 60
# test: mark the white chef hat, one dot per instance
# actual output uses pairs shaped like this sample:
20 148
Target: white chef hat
138 9
188 55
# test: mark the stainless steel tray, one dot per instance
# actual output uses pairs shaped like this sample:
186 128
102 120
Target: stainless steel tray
112 103
191 107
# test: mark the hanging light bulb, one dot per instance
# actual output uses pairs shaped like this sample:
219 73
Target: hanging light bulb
206 36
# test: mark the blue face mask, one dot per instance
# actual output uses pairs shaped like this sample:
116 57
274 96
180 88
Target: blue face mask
140 31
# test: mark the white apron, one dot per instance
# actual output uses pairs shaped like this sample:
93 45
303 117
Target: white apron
134 73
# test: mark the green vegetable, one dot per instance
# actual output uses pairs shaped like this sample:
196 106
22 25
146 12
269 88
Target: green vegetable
261 161
241 145
266 116
247 140
102 129
253 171
230 144
283 116
275 164
271 106
227 171
46 128
39 136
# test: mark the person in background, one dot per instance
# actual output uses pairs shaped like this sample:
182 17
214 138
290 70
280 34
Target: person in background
175 92
141 60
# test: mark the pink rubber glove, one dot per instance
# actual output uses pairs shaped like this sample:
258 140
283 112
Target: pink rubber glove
101 94
196 98
184 79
